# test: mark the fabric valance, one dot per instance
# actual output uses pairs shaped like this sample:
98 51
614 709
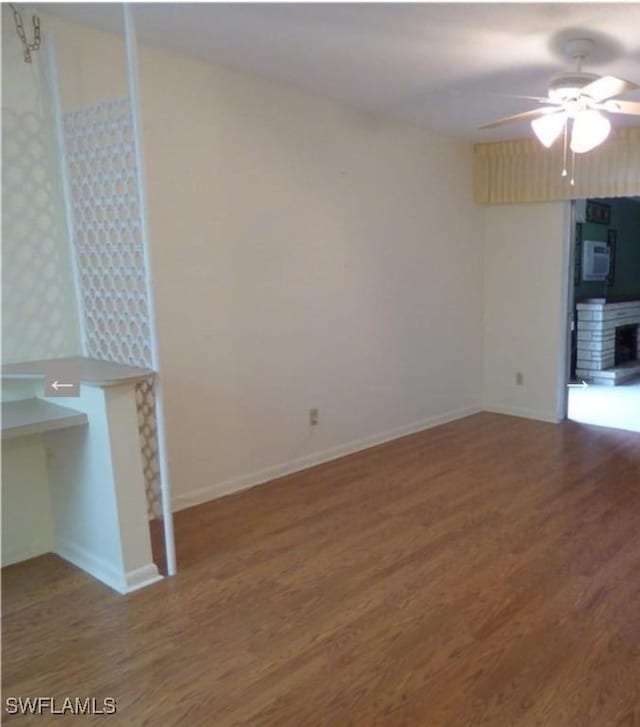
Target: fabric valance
525 171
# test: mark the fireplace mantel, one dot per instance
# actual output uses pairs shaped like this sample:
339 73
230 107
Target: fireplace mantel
596 334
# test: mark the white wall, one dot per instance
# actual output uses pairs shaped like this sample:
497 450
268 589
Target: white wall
92 65
304 255
27 522
525 289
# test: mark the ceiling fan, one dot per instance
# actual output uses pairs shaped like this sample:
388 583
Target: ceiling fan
580 100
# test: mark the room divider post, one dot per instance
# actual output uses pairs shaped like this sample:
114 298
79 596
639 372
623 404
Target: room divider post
134 94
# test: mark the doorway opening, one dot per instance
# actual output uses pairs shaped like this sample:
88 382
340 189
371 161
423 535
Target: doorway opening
604 376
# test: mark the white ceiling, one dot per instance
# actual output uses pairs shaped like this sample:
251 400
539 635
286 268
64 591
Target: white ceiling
444 66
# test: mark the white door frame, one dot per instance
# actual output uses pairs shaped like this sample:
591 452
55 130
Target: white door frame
564 358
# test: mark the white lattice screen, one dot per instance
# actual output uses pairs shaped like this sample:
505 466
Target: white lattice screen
103 181
39 319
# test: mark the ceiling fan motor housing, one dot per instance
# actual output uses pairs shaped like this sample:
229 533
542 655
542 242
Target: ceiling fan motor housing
567 86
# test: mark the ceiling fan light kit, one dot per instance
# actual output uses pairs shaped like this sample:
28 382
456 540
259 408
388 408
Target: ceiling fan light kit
578 106
549 127
590 129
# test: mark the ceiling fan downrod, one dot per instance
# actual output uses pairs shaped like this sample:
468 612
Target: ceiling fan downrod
578 49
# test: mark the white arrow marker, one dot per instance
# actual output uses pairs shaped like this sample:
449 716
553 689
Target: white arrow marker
583 385
56 385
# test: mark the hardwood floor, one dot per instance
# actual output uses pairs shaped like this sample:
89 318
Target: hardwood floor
486 572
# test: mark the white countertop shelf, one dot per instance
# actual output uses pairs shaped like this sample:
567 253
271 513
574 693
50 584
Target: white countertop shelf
89 371
25 417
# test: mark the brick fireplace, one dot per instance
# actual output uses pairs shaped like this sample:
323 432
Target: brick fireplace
608 344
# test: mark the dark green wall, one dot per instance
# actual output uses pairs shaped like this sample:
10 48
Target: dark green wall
625 219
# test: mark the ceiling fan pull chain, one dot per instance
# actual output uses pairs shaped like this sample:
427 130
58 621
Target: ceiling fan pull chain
573 167
564 158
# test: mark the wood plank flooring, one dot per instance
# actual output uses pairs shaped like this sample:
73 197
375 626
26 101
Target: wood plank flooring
486 572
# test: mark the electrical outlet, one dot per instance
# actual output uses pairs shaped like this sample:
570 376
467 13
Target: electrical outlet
519 378
314 417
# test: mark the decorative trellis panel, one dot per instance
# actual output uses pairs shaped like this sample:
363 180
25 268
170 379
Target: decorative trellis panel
39 318
103 181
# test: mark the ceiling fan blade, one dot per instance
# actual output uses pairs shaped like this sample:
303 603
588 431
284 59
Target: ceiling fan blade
606 87
631 108
518 117
541 99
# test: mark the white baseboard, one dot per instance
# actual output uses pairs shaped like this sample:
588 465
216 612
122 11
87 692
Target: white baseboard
516 411
227 487
121 581
141 577
96 567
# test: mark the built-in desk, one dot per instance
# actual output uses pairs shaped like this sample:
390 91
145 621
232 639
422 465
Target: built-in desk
73 481
89 371
25 417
